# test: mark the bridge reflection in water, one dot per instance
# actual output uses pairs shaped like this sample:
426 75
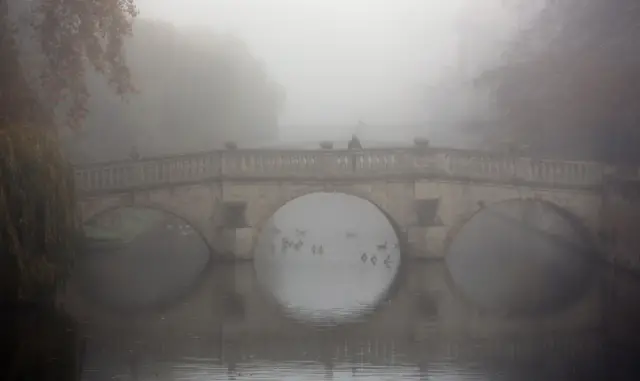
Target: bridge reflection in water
404 319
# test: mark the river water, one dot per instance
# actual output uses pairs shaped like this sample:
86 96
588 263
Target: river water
330 296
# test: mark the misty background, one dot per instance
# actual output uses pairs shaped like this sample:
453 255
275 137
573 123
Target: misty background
264 73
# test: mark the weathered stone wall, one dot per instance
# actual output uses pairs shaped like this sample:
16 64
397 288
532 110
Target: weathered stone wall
456 183
455 202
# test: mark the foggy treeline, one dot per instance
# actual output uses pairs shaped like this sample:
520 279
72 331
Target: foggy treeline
195 90
553 78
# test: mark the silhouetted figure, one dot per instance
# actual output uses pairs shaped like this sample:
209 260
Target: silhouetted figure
134 155
354 143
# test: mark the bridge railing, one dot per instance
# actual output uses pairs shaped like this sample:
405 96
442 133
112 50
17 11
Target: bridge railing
337 164
148 172
497 167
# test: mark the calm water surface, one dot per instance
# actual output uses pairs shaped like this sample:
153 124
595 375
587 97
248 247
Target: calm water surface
329 296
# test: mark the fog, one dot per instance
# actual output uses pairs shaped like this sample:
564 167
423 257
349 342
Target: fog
378 61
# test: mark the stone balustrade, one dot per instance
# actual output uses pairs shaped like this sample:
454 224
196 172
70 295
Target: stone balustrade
454 164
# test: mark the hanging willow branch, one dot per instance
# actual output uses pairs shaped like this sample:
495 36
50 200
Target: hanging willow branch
37 218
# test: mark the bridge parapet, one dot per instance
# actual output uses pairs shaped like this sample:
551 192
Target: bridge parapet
381 163
130 174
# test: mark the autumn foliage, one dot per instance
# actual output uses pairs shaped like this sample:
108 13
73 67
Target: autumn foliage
38 97
571 79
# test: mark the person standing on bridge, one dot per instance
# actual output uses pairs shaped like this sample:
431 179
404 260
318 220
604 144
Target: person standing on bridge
354 143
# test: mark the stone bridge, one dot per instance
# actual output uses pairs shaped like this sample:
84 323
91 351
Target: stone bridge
427 193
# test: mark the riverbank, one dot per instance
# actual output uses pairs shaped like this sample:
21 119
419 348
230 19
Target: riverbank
39 343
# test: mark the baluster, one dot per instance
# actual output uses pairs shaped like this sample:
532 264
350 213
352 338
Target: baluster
248 163
170 170
137 168
86 180
119 182
542 171
150 172
164 171
537 171
177 172
157 169
215 164
95 182
144 172
202 166
573 171
291 164
211 165
479 167
183 172
581 173
193 168
112 177
445 164
157 172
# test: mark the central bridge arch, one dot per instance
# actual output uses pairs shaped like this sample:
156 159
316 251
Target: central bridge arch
367 266
362 194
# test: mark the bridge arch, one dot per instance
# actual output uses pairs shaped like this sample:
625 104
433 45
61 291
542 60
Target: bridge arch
88 215
578 227
365 195
574 221
106 298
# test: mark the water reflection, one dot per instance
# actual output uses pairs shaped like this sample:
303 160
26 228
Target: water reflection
519 257
138 258
187 344
578 357
228 327
327 257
